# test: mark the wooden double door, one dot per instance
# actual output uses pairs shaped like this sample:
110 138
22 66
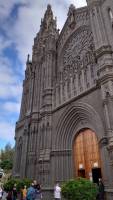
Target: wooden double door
87 156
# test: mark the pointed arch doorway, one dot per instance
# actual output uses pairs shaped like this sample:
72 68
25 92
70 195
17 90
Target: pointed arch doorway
86 155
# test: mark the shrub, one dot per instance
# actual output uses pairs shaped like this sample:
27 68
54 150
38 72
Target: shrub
19 184
79 189
10 184
22 183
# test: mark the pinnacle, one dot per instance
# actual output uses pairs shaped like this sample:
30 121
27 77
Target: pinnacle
71 9
28 56
48 22
48 12
49 7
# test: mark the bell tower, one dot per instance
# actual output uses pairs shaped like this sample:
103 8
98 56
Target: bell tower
44 56
101 20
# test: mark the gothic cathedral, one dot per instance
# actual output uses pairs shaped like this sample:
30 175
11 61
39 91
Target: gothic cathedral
65 128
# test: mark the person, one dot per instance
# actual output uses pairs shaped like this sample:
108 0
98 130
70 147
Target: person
24 192
38 192
31 193
57 192
35 183
1 192
9 195
4 196
101 189
14 192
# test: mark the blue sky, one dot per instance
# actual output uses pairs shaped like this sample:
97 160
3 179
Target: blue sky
19 23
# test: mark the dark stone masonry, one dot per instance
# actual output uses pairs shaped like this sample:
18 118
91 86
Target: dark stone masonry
65 127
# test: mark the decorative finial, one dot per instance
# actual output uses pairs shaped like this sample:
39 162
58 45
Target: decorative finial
48 7
28 56
49 11
48 23
71 9
72 16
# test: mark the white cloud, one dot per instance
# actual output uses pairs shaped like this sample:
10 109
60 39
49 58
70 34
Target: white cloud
6 73
7 131
77 3
10 91
4 43
13 107
10 85
9 80
28 21
7 6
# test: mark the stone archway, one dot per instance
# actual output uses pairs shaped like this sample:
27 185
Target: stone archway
86 155
76 117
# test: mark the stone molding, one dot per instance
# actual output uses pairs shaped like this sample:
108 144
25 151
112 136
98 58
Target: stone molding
103 50
103 142
71 122
65 152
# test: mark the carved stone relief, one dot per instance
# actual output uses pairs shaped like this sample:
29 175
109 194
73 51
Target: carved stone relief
78 54
78 64
79 50
75 19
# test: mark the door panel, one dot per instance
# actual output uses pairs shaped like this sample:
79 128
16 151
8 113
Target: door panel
86 153
96 173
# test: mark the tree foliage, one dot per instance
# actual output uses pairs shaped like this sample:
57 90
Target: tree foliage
6 157
6 164
20 183
79 189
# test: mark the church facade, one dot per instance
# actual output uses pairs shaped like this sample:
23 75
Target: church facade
65 128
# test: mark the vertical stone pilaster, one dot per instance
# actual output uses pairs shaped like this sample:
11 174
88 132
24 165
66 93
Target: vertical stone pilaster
24 154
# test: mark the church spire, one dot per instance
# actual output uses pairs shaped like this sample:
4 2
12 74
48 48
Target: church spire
48 23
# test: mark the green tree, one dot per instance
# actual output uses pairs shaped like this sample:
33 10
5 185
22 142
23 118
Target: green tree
6 157
6 164
79 189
